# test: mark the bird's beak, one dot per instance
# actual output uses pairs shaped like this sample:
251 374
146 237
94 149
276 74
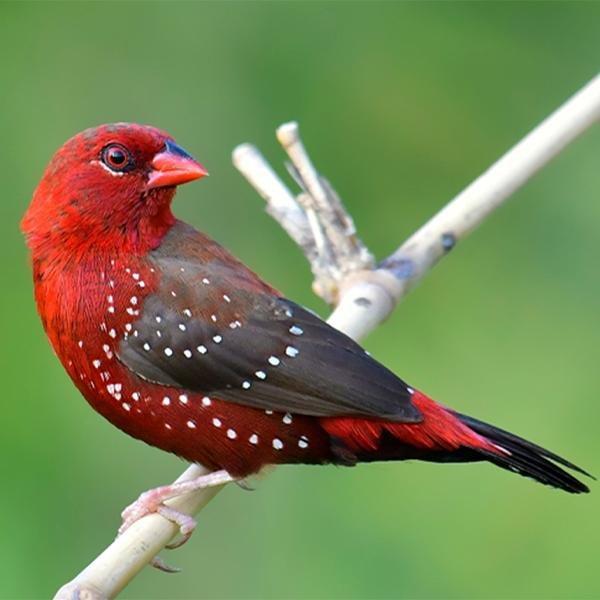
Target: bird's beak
173 166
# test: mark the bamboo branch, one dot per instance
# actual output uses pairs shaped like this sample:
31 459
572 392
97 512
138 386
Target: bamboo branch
344 273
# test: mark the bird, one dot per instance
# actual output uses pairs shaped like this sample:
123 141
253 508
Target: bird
179 344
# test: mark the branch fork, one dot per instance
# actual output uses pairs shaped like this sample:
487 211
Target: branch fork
315 218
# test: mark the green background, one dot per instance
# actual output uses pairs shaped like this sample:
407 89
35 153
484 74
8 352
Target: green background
401 106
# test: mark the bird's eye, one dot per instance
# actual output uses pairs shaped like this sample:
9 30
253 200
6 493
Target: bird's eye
117 158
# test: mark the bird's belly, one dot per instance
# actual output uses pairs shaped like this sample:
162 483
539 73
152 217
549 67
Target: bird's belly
198 427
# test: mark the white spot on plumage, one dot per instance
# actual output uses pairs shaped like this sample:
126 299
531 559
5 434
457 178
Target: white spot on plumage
187 353
205 281
142 284
118 387
167 426
158 333
111 309
226 298
295 330
410 390
128 326
187 312
135 396
110 388
303 442
168 351
110 299
133 300
96 363
292 352
217 422
287 419
183 399
174 293
261 374
166 401
213 318
80 343
231 434
246 385
273 360
182 326
136 276
201 349
206 401
146 346
158 318
126 406
253 439
191 424
268 412
277 444
217 339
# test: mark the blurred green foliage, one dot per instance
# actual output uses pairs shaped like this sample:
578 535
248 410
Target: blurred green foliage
401 104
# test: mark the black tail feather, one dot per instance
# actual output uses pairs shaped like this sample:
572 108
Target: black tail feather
526 458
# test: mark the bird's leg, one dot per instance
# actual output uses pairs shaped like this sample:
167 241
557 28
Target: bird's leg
153 500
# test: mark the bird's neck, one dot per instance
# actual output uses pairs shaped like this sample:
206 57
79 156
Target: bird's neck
65 246
63 229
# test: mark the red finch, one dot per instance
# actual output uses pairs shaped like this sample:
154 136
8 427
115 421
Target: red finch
180 345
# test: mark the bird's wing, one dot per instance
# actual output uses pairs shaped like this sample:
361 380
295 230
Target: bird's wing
210 328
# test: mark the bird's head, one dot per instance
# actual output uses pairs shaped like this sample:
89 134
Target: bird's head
110 186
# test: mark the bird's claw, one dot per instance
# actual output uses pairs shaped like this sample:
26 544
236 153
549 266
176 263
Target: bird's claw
153 501
158 563
146 504
149 503
186 525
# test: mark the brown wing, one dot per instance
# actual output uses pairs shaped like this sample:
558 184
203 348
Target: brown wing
208 329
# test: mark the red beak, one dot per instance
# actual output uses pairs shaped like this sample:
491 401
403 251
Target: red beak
173 166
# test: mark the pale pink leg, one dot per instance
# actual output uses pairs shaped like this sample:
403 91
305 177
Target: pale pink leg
153 500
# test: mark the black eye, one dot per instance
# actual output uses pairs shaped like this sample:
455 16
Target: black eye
117 158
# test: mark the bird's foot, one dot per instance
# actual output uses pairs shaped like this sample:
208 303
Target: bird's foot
153 501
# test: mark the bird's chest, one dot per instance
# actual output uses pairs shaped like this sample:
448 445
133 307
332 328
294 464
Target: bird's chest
87 310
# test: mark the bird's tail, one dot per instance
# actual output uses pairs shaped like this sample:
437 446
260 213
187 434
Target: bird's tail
447 436
525 458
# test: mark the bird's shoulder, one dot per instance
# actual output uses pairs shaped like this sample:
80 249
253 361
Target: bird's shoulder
192 257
